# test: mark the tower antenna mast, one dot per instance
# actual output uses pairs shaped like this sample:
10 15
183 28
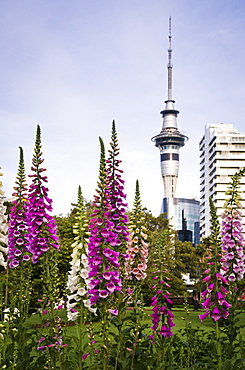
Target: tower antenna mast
170 66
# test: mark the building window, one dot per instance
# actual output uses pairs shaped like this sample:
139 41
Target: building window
165 157
175 157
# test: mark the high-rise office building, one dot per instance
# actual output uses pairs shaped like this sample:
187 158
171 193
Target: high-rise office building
222 154
186 215
169 141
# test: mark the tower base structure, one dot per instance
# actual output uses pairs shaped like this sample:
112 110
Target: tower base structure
184 217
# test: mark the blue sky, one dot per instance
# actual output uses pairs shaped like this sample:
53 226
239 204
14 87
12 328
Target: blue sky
74 66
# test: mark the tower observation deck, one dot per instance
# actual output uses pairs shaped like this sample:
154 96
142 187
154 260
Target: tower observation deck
170 139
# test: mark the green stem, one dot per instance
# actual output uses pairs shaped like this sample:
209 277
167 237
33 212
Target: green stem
105 341
137 316
133 355
120 344
219 353
21 318
161 353
187 337
81 335
50 298
23 306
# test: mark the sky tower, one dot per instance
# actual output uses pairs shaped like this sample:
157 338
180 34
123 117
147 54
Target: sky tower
169 140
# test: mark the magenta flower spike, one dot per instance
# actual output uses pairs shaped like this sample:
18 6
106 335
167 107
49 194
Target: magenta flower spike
232 266
162 317
108 227
232 261
213 297
117 215
41 225
18 247
3 228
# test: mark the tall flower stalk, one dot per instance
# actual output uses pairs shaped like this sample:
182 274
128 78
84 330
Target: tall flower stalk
44 245
232 258
3 248
41 225
78 281
109 234
103 259
18 245
162 317
135 268
214 297
116 196
232 237
108 227
137 247
19 274
3 263
19 256
118 214
226 268
3 228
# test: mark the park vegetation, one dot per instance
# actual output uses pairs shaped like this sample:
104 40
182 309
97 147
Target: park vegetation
94 289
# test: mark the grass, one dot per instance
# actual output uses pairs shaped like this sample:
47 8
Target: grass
180 318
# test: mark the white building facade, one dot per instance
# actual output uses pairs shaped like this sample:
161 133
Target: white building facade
222 154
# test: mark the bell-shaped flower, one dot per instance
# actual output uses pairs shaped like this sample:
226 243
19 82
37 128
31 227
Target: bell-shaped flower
108 226
137 247
203 316
41 225
18 241
78 281
216 314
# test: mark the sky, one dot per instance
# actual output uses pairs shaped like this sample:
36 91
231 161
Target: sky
74 66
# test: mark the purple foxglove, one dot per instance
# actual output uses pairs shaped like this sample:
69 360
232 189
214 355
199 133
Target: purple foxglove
203 316
220 298
3 228
214 302
232 234
216 314
166 332
108 226
207 303
232 226
41 225
162 316
18 247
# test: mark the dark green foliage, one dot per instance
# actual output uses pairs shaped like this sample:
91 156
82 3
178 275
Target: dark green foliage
66 238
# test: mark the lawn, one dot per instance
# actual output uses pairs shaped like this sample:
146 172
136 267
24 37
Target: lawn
180 319
197 345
